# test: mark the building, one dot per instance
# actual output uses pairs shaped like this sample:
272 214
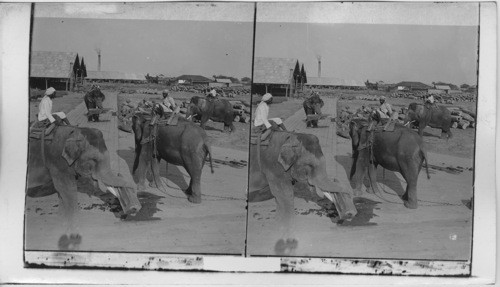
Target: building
114 77
334 83
273 75
193 80
220 83
412 86
444 88
52 69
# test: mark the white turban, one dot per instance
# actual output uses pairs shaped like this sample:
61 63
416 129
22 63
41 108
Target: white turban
50 91
266 97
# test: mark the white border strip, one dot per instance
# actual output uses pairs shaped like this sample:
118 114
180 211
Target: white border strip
376 266
114 260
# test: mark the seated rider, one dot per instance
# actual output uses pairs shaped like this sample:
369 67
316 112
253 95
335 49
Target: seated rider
45 115
212 94
385 111
168 104
261 116
429 101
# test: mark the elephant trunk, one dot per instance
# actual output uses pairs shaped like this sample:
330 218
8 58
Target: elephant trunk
123 189
342 198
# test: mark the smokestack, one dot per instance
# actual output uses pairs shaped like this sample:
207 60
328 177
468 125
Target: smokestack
98 50
319 66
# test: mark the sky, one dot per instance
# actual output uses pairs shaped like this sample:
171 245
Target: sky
169 47
375 52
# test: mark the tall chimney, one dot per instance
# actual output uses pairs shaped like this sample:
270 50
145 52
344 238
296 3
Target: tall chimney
98 50
319 66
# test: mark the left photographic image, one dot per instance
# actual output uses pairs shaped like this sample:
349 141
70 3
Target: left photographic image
139 128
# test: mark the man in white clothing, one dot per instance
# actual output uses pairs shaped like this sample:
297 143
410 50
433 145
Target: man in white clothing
168 103
45 115
262 113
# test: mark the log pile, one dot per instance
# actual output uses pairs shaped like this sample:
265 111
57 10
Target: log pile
241 112
462 118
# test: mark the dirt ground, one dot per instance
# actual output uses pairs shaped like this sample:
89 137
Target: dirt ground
440 229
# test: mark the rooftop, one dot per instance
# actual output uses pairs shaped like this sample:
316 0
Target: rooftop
49 64
273 70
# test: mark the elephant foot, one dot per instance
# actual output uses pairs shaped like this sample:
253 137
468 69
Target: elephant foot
70 243
194 199
410 205
287 247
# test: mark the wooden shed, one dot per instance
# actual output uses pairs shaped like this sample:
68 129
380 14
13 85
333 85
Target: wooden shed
273 75
52 69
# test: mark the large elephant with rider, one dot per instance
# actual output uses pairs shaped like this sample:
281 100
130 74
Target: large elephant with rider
183 144
438 117
217 110
59 159
312 106
287 159
401 150
93 100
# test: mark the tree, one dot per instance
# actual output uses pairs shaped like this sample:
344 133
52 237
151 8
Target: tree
296 74
303 76
83 69
76 67
246 79
464 86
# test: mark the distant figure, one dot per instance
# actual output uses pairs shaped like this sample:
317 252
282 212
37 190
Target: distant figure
261 115
45 115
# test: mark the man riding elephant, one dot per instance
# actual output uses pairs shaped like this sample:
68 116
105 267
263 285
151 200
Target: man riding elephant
312 106
261 122
401 150
93 100
184 144
276 168
431 115
57 160
218 110
45 115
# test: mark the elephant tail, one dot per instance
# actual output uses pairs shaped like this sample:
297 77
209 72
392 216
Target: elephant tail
424 156
209 152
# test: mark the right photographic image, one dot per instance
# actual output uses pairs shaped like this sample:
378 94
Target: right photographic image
363 132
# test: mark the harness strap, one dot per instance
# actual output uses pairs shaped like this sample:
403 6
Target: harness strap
43 146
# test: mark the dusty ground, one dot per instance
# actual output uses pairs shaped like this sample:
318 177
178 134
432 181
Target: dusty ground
440 229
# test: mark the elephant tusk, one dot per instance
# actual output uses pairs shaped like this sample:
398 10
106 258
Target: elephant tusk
328 196
112 191
188 117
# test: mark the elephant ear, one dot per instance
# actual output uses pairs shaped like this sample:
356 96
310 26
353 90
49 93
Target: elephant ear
289 152
72 150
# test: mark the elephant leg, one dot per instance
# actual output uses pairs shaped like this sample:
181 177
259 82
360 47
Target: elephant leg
65 184
410 173
143 164
204 120
283 193
372 174
194 167
315 123
359 172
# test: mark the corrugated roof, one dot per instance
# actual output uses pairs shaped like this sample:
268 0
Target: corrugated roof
273 70
417 85
48 64
442 87
194 78
327 81
114 75
226 81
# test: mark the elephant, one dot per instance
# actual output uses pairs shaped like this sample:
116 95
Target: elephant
93 99
184 144
433 116
312 106
218 110
401 150
291 158
55 165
